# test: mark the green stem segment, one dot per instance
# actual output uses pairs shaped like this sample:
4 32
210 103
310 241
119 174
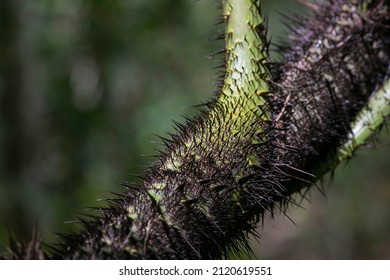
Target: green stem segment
369 120
242 98
246 80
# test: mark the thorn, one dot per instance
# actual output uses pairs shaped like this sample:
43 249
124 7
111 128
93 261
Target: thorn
309 5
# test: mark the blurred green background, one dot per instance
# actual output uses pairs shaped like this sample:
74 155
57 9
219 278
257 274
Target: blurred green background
85 87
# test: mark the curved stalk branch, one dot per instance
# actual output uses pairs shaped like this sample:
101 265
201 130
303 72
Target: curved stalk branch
369 120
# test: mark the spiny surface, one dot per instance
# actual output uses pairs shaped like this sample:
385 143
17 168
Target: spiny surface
335 61
253 146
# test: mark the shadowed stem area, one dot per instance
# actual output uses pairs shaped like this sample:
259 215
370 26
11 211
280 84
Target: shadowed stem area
336 62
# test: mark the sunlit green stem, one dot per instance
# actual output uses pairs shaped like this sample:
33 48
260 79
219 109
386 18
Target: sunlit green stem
242 99
367 122
245 82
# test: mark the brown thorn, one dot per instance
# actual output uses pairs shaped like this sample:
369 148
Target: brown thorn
309 5
284 107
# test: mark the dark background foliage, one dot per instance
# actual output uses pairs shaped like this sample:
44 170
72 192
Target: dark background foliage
85 87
